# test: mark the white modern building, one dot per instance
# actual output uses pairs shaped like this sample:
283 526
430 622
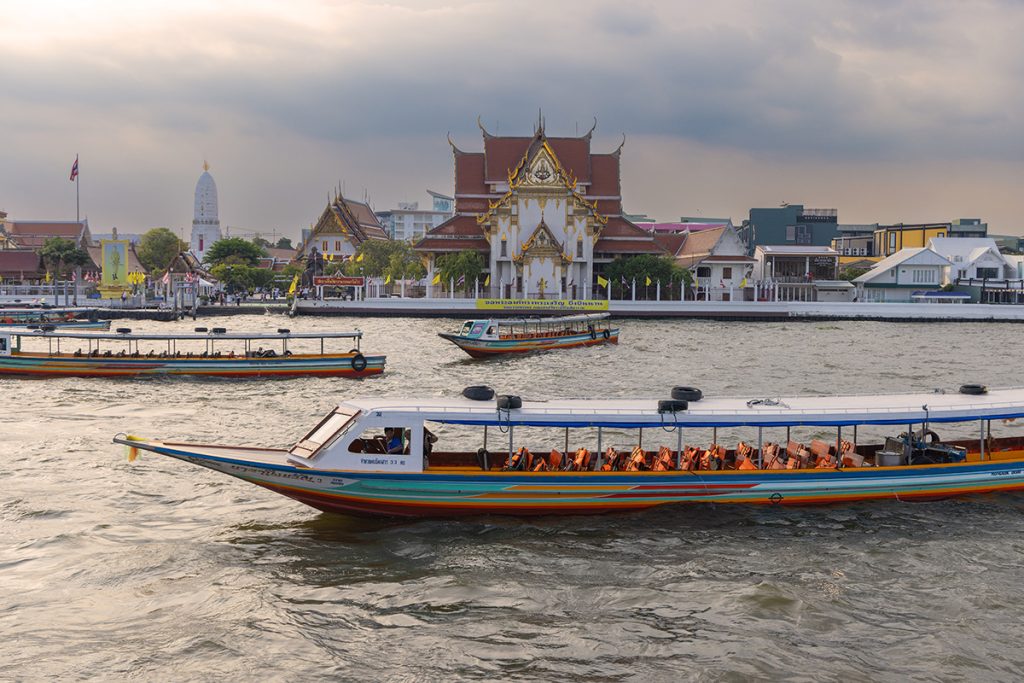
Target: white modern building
973 258
205 221
409 222
903 275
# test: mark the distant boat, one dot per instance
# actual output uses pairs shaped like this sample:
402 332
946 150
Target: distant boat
497 336
213 353
60 318
379 457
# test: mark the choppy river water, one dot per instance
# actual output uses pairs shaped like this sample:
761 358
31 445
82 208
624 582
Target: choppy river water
161 571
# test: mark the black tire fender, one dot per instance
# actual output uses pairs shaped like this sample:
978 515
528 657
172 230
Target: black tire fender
359 362
687 394
506 402
607 334
478 393
973 389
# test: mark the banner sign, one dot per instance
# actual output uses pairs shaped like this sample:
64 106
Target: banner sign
115 262
542 305
338 281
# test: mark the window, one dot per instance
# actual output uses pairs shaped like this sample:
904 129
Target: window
579 248
988 273
337 245
804 234
924 276
892 241
727 273
325 246
790 233
703 271
958 259
504 247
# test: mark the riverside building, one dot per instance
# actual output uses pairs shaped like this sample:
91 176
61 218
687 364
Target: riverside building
544 212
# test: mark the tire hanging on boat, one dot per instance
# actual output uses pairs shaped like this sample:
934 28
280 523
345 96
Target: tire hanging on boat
687 394
593 332
973 389
607 334
506 402
359 362
478 393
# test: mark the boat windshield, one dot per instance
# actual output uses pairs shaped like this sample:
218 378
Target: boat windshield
329 429
466 327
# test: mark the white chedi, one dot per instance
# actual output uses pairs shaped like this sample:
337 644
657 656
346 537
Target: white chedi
205 221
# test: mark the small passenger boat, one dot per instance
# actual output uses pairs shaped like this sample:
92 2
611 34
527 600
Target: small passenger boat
377 456
207 353
491 337
61 318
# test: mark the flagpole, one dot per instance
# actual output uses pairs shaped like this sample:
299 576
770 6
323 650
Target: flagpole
78 211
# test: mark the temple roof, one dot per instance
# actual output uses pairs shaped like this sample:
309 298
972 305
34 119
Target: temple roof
19 264
33 234
455 234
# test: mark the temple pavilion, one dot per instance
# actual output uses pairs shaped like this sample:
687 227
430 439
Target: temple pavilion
545 213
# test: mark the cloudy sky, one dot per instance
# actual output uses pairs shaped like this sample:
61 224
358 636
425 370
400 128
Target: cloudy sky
889 110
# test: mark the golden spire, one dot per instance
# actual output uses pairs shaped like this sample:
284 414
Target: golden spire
206 166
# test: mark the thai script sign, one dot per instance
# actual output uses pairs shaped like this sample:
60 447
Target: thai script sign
542 304
338 281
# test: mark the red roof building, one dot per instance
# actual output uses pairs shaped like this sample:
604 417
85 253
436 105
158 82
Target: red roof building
21 265
342 227
546 213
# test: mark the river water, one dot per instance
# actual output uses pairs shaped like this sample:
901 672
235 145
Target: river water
162 571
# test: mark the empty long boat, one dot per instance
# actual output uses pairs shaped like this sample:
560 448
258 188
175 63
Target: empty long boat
497 336
46 352
378 456
63 318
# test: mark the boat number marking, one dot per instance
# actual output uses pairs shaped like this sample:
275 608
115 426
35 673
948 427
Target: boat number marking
775 498
382 461
1007 473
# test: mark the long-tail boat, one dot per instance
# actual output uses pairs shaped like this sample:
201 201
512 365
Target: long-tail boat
378 456
214 352
65 318
497 336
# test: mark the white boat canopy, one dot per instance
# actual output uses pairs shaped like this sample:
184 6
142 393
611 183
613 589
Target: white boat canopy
875 409
115 336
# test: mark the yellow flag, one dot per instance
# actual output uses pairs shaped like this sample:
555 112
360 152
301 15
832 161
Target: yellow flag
387 280
744 283
602 281
487 282
359 258
436 280
49 277
648 280
295 285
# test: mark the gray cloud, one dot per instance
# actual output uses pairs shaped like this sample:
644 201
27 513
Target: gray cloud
829 82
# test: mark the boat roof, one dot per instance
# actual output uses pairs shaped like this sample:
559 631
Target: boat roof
21 331
876 409
583 317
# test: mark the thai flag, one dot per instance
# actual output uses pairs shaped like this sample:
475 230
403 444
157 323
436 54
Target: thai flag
74 170
461 281
624 283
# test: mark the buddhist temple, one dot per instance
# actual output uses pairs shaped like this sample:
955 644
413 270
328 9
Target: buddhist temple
342 227
545 212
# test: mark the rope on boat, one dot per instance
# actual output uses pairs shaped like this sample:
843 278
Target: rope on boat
767 402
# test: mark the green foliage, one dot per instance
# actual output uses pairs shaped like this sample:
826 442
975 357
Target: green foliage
468 264
238 277
291 270
661 269
157 248
852 273
260 242
284 243
233 251
60 256
382 258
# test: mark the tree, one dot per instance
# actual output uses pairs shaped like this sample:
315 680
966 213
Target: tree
233 250
463 264
61 255
381 258
661 269
851 274
260 242
238 277
158 247
284 243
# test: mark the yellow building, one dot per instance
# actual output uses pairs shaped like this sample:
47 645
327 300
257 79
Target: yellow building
890 239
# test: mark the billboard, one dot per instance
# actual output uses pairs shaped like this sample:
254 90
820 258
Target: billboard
542 304
338 281
115 262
